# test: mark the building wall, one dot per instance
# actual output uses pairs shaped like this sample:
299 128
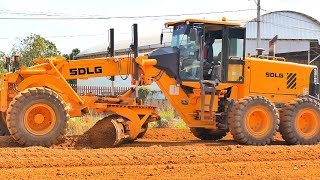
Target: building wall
281 46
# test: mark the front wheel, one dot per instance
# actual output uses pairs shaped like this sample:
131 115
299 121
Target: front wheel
37 117
253 120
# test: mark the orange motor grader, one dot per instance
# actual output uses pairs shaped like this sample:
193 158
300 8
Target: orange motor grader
204 74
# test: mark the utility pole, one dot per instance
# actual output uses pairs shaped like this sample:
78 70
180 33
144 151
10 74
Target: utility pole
258 24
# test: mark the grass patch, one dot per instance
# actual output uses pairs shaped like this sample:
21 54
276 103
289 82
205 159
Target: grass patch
79 125
169 119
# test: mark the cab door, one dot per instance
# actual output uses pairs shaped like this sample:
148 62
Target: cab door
233 54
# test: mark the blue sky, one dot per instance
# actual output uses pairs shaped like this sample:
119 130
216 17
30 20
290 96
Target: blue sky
10 30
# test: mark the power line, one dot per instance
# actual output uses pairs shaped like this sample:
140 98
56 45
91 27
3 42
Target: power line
39 13
28 14
116 17
83 35
64 36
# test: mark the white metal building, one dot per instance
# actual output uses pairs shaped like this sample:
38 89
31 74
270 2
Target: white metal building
297 32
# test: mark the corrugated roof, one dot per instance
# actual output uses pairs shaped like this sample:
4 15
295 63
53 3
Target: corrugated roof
285 24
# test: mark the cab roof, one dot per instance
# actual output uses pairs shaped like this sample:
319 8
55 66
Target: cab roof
202 21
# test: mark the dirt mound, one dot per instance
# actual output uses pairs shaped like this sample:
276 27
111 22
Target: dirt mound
102 134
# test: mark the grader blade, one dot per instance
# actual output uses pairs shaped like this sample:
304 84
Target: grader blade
119 132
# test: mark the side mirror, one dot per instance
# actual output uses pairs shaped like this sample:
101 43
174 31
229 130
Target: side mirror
193 34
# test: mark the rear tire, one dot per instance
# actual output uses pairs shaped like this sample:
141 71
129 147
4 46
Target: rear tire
208 134
37 117
253 120
300 122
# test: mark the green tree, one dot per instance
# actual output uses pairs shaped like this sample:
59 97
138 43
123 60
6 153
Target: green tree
34 46
2 61
66 56
72 55
144 92
2 56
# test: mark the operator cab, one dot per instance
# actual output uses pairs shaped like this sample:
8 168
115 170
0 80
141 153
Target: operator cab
204 50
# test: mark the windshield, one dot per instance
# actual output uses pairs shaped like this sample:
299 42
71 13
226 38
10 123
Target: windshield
178 35
189 65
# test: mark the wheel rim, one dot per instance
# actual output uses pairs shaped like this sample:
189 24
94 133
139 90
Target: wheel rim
39 119
258 121
307 123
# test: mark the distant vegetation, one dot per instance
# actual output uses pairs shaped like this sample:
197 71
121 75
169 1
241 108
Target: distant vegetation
144 92
2 61
72 55
34 46
169 119
78 126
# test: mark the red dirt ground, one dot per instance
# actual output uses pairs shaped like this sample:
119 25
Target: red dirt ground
160 154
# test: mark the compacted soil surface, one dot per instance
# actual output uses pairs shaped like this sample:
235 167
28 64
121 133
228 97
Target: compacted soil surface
160 154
